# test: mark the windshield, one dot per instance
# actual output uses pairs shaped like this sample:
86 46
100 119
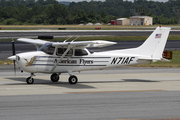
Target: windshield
90 51
47 48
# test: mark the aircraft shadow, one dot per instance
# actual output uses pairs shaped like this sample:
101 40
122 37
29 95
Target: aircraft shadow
100 82
138 80
79 85
45 82
122 80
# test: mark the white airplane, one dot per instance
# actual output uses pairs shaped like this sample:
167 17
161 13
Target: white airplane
67 57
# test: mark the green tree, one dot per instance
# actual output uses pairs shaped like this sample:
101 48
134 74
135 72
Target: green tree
80 16
30 3
10 21
22 13
39 19
51 2
3 3
91 16
9 12
40 2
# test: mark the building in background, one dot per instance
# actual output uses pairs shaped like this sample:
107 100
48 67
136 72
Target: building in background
113 22
134 20
123 21
141 20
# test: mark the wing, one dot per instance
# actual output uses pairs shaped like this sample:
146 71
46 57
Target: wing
32 41
36 42
96 43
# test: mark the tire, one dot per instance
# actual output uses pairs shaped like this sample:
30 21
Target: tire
73 79
54 77
30 80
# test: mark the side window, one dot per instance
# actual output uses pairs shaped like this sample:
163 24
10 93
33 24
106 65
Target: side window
70 53
49 50
80 52
60 52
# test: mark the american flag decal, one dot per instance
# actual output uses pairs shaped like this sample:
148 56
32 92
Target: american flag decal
158 36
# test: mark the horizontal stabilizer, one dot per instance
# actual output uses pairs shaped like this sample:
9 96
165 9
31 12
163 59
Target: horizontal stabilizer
165 60
156 59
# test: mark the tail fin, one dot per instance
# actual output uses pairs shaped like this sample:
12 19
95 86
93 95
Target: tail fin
154 45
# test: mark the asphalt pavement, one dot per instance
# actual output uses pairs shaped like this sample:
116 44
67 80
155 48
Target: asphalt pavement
92 106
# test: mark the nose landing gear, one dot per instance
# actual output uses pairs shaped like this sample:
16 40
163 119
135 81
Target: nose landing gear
30 79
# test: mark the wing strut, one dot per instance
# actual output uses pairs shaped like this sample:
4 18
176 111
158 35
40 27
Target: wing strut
72 40
75 38
57 62
67 39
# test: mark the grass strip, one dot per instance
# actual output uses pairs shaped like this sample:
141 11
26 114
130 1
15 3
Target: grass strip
6 62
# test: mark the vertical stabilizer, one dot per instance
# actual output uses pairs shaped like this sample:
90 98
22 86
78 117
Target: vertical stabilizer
154 45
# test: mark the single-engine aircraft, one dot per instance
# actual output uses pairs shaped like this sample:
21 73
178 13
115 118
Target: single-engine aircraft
67 57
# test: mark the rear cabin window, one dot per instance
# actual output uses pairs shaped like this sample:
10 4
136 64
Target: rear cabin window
60 52
80 52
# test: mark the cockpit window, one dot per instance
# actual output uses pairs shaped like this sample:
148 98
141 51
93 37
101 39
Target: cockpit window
47 48
80 52
90 51
60 51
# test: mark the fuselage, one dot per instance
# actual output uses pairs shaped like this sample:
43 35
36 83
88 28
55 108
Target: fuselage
41 62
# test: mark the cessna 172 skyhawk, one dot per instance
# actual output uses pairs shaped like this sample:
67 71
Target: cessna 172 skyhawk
67 57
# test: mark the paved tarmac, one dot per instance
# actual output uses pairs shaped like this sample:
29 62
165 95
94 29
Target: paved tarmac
110 80
92 106
116 93
112 94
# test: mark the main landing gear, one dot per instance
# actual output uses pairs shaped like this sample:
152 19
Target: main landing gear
54 78
73 79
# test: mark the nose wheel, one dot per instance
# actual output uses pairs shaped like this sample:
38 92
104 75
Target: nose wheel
30 79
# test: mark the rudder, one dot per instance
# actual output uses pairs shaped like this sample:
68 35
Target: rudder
154 45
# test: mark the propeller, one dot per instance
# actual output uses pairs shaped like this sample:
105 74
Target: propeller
13 52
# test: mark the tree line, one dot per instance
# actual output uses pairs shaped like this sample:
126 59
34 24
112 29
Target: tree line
17 12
